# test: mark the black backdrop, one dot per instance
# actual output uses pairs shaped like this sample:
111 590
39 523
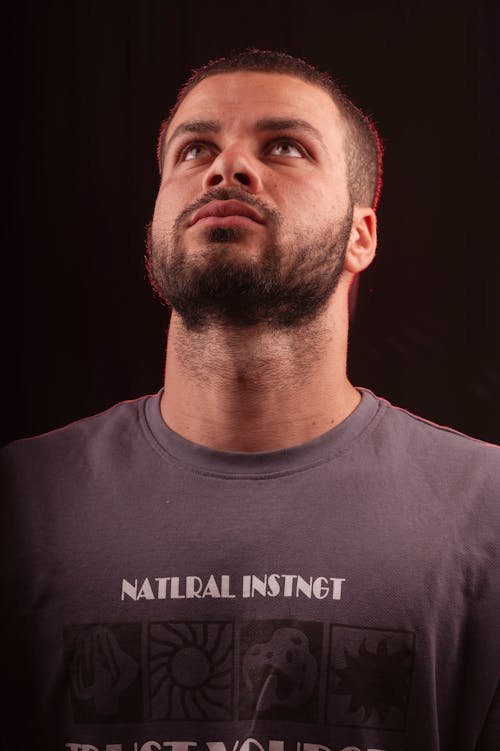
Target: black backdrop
88 84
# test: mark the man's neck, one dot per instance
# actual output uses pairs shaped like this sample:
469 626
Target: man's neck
256 390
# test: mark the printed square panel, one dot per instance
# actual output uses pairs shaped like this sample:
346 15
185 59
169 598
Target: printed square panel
280 669
191 671
369 677
103 672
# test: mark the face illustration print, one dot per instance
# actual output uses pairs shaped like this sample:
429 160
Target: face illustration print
282 670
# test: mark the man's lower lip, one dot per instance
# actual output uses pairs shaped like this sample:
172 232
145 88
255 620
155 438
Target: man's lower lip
234 220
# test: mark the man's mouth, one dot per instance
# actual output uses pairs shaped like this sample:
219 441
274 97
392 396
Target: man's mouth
225 211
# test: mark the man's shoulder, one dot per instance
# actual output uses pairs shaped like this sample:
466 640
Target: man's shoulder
114 423
418 439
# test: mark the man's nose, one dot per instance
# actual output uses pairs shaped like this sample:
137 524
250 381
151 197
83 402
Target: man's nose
234 166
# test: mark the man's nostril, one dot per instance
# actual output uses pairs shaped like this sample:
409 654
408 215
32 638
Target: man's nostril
242 178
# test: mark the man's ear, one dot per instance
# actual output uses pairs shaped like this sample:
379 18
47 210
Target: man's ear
362 241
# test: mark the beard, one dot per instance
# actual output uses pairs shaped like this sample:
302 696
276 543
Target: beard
287 287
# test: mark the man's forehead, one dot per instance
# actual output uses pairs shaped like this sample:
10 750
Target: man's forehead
256 95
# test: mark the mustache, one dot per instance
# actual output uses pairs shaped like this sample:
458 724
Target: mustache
270 216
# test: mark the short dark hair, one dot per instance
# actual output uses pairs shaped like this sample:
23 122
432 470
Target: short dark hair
363 145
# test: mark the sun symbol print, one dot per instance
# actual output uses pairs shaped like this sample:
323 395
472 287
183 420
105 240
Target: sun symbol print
191 671
370 683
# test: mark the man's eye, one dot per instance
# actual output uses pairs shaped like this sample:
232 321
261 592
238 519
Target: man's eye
286 148
194 151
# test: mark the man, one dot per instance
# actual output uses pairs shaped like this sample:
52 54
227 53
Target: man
261 556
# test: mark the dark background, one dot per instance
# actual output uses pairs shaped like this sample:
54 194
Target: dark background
88 84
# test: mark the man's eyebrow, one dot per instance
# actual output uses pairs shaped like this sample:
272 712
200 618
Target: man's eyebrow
193 126
290 124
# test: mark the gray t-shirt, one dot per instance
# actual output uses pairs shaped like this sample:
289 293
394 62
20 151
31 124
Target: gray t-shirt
341 594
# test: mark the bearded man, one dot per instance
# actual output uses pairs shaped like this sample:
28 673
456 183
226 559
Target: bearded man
261 556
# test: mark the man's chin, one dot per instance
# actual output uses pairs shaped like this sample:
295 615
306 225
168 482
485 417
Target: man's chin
234 232
238 236
229 253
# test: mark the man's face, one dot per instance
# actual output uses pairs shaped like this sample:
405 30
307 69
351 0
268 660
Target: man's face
253 214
